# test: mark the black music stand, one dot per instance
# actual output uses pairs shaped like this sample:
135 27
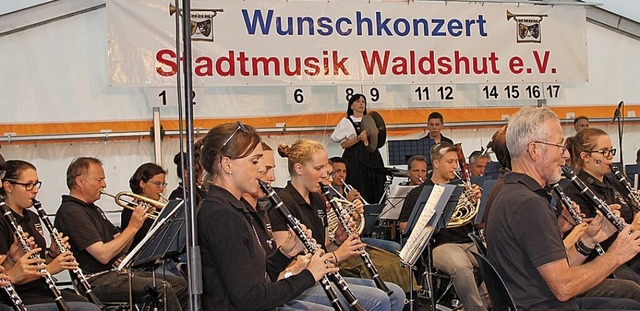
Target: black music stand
487 187
162 238
444 208
371 214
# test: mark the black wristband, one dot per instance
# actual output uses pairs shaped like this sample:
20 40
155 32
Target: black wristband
582 248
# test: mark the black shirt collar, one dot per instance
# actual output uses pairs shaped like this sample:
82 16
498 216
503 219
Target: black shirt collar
226 195
590 180
527 181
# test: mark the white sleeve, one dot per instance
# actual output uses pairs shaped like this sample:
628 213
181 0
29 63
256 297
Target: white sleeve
343 130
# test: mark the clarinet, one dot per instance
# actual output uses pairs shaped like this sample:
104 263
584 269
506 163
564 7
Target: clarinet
364 255
595 200
311 247
77 272
17 230
16 301
626 187
574 214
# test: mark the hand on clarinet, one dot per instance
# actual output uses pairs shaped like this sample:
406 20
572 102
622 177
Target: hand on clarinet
16 251
54 250
27 269
5 279
626 246
319 264
352 246
293 246
601 228
64 261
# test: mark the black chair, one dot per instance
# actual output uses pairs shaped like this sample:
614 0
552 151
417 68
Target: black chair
498 292
479 244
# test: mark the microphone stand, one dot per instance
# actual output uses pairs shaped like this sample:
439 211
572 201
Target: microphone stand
617 115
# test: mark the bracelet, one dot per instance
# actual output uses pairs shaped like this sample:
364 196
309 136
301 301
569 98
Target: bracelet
10 261
582 248
334 256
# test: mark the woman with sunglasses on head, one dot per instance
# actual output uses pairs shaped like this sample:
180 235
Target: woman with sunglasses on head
20 186
307 164
235 266
149 181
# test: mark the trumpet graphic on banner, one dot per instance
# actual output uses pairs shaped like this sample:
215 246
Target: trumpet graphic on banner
201 22
527 26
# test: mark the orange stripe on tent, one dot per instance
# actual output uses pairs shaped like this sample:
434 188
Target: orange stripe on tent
392 117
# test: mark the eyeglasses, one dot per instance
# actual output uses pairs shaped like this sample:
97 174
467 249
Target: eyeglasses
240 127
27 186
562 147
159 184
605 152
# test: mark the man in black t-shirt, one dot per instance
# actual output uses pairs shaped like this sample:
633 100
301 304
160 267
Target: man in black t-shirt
452 246
97 243
523 239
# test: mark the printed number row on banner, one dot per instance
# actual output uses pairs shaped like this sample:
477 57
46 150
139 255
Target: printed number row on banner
521 91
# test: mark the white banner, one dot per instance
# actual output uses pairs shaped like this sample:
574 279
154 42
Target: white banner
349 42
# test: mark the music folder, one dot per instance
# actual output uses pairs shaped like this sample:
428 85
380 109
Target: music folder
432 212
163 237
395 201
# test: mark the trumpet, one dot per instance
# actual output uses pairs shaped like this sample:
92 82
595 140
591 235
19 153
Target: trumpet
131 204
349 188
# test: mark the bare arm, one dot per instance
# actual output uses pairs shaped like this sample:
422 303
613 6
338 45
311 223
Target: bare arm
566 282
350 141
104 252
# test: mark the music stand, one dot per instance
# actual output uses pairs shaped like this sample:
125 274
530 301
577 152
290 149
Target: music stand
160 239
371 214
486 191
439 208
395 201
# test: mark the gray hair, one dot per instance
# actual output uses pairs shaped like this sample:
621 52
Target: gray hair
526 126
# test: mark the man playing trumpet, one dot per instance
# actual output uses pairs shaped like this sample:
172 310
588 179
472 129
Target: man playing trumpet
97 243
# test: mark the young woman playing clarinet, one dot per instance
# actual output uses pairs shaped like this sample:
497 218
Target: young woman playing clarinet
234 264
307 164
20 187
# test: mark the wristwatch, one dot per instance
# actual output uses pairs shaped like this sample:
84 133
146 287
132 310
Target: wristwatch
287 273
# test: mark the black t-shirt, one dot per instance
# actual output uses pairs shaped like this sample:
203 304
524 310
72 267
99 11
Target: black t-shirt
447 235
522 235
234 264
85 224
313 216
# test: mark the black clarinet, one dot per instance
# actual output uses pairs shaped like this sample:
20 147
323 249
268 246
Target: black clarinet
311 247
17 230
16 301
364 255
574 214
595 200
634 198
77 272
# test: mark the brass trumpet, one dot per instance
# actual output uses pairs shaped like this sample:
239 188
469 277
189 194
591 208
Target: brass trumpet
135 200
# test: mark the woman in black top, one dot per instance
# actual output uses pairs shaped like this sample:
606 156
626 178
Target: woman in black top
234 264
19 188
149 181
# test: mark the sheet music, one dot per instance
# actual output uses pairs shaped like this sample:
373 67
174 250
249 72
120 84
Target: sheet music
395 201
422 230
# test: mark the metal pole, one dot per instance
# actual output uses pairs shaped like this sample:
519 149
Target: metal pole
157 136
193 251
